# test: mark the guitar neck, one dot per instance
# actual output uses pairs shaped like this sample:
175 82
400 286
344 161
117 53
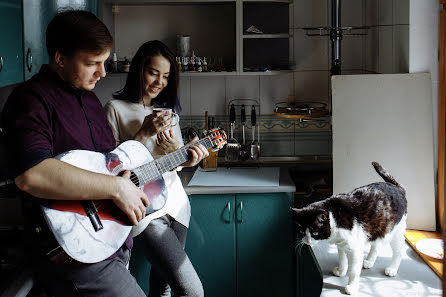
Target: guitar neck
156 168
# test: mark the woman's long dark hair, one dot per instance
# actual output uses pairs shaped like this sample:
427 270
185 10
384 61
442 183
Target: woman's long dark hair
134 86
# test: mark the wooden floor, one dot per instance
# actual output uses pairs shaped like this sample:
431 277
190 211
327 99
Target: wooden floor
413 236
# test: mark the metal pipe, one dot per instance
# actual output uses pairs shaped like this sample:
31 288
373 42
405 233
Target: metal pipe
335 37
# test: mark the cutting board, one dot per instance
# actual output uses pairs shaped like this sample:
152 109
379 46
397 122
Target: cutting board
237 177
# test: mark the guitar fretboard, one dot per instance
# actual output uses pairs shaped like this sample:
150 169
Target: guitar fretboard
156 168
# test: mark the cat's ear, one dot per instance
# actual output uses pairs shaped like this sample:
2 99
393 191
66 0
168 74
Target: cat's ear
321 218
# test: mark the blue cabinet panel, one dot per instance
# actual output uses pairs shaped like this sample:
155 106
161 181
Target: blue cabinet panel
36 16
211 243
265 265
11 47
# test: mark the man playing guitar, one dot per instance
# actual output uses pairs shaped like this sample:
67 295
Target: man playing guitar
55 112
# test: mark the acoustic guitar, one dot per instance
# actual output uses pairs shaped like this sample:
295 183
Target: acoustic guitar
91 231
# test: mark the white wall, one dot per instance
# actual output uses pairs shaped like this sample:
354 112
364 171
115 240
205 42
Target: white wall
423 55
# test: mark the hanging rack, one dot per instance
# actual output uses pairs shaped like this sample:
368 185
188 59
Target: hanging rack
336 33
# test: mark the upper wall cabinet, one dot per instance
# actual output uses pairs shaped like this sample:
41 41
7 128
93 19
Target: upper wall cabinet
36 16
22 47
235 36
11 48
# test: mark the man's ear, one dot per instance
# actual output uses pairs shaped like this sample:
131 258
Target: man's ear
59 59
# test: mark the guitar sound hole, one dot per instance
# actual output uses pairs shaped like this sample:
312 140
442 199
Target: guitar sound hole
134 178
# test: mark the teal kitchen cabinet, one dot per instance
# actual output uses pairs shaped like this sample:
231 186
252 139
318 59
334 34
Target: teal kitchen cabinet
211 243
36 16
242 244
264 245
11 46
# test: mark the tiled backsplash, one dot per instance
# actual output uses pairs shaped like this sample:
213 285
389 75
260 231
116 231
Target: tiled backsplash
278 136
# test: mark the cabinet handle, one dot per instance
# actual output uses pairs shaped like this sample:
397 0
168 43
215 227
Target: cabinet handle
1 63
229 210
241 211
29 60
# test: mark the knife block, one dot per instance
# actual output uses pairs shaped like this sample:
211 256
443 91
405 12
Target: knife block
210 162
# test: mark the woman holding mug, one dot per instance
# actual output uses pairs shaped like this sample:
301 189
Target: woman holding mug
135 113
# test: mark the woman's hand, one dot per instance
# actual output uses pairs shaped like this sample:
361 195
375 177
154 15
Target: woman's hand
197 153
153 124
167 141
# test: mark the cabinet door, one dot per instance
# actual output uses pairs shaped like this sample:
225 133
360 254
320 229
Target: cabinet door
11 51
36 16
211 243
264 245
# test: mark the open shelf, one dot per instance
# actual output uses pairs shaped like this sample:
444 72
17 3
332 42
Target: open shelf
217 31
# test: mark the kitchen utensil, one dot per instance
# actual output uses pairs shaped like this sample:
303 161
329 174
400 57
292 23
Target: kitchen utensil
244 152
255 147
232 146
210 162
183 45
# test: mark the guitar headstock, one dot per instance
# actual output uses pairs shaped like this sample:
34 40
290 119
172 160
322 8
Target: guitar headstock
217 137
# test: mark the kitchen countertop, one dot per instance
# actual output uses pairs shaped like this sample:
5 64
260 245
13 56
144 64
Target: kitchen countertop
285 185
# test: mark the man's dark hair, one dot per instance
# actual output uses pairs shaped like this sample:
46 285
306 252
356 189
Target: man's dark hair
72 31
133 90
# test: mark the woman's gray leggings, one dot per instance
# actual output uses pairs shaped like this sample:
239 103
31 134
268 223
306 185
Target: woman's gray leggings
164 240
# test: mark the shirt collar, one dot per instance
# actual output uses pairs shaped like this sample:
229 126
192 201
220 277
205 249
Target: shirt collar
53 76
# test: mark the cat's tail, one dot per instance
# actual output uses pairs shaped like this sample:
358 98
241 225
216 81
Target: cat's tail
385 175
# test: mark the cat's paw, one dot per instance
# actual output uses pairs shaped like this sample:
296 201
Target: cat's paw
339 272
351 289
390 271
367 264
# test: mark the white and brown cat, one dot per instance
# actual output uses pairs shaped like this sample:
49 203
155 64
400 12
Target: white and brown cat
375 213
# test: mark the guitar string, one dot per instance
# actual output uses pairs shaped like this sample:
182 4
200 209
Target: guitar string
151 174
161 162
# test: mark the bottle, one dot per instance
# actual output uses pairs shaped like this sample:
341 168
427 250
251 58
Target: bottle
185 64
178 59
192 62
198 65
205 65
115 63
126 65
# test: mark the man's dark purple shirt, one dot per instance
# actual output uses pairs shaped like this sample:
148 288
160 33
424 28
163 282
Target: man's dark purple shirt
45 117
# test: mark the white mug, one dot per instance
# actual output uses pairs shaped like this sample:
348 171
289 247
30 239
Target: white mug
166 112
